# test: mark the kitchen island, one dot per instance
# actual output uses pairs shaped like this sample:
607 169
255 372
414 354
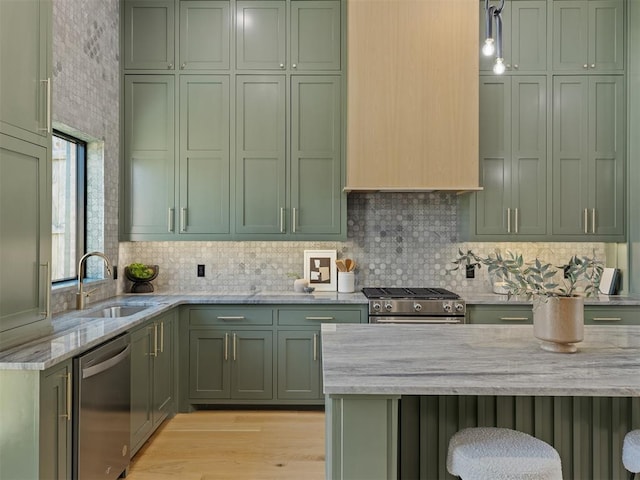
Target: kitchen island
447 377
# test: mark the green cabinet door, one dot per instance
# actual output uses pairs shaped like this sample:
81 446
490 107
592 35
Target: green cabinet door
588 164
204 154
524 36
260 35
252 365
315 35
316 196
149 37
611 315
500 314
513 159
588 35
205 34
148 166
209 366
25 88
141 386
260 167
299 364
55 422
25 237
163 374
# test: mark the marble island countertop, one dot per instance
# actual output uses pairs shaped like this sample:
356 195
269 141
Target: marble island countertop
476 360
495 299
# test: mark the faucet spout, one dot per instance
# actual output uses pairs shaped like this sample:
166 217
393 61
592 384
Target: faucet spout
81 296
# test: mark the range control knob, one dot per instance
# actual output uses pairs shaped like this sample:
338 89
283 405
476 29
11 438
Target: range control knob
376 306
388 306
417 307
459 307
447 307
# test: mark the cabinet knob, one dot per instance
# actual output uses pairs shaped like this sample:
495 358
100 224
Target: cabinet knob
515 66
295 65
170 66
585 66
593 65
282 65
182 67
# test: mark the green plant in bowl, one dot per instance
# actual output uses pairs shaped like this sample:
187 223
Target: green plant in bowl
140 271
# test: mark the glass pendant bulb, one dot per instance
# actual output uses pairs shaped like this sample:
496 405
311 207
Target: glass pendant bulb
499 67
488 48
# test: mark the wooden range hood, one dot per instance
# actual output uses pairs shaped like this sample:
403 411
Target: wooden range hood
412 111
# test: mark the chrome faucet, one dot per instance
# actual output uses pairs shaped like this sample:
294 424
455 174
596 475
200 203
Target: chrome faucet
81 296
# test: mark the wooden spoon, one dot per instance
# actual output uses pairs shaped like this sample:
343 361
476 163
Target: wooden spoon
341 266
350 264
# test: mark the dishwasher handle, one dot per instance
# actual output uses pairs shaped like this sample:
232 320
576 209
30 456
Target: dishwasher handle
107 364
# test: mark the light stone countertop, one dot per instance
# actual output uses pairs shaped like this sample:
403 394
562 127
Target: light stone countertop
75 332
476 360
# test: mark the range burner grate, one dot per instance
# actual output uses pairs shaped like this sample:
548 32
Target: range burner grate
414 293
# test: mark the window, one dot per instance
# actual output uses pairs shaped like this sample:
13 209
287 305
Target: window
68 206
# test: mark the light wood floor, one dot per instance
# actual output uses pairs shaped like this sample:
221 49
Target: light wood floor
243 445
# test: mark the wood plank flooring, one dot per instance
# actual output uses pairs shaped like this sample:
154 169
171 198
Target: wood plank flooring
243 445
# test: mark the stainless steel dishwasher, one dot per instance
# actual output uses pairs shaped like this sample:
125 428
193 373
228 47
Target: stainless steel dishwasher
102 404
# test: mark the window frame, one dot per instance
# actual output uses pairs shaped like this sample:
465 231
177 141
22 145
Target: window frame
81 199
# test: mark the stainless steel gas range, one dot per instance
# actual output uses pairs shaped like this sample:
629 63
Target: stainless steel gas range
414 305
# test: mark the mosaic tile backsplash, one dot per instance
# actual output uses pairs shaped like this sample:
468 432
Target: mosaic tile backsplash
397 239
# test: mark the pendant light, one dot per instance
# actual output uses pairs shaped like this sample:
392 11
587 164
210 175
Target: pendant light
491 46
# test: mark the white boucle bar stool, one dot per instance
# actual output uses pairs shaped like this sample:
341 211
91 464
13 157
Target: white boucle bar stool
488 453
631 452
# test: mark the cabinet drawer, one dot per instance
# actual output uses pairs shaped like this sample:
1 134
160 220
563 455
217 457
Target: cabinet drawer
317 316
611 316
231 316
511 315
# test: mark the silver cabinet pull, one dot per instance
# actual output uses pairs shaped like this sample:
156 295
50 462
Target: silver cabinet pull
235 347
516 66
315 347
47 127
320 319
593 65
585 66
183 66
515 219
170 66
281 219
69 399
519 319
593 220
239 317
170 224
161 337
282 65
607 319
586 220
509 220
47 295
294 65
226 347
294 219
183 219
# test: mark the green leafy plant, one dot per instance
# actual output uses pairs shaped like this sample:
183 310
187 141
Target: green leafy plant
536 279
140 270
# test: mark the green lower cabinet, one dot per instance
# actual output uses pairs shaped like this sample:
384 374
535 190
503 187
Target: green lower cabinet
231 364
601 315
152 378
492 314
55 422
299 365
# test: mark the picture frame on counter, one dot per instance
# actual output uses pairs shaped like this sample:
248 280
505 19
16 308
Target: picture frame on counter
320 269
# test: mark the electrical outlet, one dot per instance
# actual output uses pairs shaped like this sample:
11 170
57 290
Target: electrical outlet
115 272
200 270
470 271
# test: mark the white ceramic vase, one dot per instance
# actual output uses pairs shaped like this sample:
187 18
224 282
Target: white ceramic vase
559 323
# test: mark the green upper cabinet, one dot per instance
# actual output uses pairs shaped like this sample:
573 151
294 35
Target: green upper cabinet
260 35
149 37
588 35
260 154
204 155
524 36
315 35
513 161
588 152
315 155
205 34
148 165
25 78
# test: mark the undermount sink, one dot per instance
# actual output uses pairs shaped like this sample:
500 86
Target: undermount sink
116 311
